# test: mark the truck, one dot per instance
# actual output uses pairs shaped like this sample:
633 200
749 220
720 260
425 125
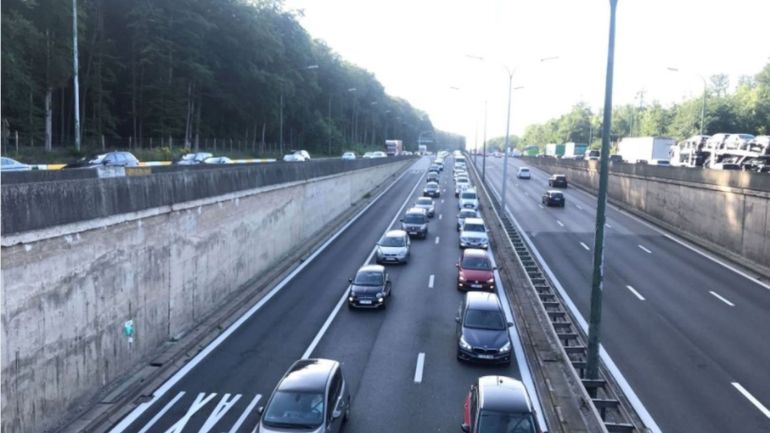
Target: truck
574 150
554 150
645 149
531 150
394 147
422 149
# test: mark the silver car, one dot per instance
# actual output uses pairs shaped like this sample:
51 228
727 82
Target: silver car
393 247
474 234
465 213
427 204
312 397
13 165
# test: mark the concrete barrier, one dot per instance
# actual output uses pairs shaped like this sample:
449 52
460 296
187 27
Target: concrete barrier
184 244
725 211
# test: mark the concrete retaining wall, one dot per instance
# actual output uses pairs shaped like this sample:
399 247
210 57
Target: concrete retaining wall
68 292
728 211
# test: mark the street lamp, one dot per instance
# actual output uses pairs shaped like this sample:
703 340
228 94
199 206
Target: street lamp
595 320
280 139
703 104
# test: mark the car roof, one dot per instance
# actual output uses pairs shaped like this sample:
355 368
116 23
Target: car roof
475 252
418 210
466 210
424 199
474 221
394 233
308 375
553 192
432 184
372 268
476 300
523 168
557 175
503 394
473 190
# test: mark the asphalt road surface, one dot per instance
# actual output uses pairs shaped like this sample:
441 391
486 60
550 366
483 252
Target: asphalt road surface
689 335
378 349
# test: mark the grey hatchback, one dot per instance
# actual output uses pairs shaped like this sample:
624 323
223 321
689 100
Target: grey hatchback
311 397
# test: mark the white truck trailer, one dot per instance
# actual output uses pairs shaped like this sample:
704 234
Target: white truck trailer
646 149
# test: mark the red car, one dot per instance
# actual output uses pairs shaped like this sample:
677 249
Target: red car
498 404
475 271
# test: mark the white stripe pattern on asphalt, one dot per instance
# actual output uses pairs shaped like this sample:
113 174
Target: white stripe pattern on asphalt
765 411
637 294
585 246
721 298
641 247
560 223
431 280
418 369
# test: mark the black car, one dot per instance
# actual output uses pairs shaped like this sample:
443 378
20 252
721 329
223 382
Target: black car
432 177
415 222
370 288
557 181
482 331
435 167
431 190
109 159
554 198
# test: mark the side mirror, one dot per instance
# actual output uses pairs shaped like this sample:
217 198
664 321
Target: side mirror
402 220
457 265
260 410
510 324
465 427
494 268
350 280
337 413
457 319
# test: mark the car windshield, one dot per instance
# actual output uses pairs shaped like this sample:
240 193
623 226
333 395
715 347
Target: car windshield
295 409
473 227
468 195
484 319
467 214
556 195
476 263
499 422
392 241
462 180
424 202
432 185
414 219
368 278
524 170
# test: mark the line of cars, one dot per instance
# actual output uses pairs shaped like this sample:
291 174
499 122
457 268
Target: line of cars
551 197
313 394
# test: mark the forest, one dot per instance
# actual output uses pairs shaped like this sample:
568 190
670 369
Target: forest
188 74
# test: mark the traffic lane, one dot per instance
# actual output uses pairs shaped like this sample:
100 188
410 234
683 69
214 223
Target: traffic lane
420 319
255 356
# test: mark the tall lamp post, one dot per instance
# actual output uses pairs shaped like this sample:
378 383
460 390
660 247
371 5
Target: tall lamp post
280 138
595 320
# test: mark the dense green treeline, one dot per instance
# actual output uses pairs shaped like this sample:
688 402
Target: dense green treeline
746 110
186 72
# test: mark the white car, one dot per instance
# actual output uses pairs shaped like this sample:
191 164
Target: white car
9 164
379 154
461 184
468 200
474 234
427 204
218 160
524 173
297 156
348 156
368 155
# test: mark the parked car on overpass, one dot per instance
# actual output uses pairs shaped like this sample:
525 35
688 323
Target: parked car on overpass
9 164
109 159
193 158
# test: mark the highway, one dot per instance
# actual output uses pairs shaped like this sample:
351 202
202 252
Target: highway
688 334
304 315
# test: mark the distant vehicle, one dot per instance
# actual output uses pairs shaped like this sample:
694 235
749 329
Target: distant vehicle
368 155
440 163
218 160
738 141
726 166
348 156
422 149
379 154
393 147
370 288
415 222
716 142
460 160
482 331
432 190
557 181
193 158
427 204
660 162
615 158
312 396
554 198
475 271
524 173
554 150
574 150
461 184
759 164
393 247
435 167
463 214
592 155
635 149
474 234
432 176
498 401
297 156
9 164
760 144
109 159
468 199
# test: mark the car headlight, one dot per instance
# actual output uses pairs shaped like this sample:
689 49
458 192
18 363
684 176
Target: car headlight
351 298
461 277
464 344
491 280
506 348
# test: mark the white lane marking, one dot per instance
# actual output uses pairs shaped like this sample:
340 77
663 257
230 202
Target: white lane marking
637 294
608 362
419 367
579 207
560 223
199 402
716 295
344 296
641 247
585 246
245 414
765 411
162 412
219 412
541 206
439 216
431 280
182 372
442 200
608 226
437 238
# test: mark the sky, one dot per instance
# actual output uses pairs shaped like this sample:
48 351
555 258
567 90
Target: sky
427 52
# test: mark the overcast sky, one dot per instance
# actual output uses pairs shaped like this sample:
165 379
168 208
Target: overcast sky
418 49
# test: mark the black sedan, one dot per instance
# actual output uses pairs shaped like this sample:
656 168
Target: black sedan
482 331
554 198
557 181
431 190
370 288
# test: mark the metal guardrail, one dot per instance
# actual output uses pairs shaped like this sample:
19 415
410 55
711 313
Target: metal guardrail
615 411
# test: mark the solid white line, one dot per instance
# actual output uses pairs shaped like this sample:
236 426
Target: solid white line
182 372
430 281
579 207
608 226
765 411
439 216
644 249
343 298
638 295
585 246
560 223
418 369
245 414
541 206
716 295
162 412
608 362
437 238
442 200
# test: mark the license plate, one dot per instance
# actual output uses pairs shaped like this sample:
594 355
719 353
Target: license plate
476 286
485 357
365 302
